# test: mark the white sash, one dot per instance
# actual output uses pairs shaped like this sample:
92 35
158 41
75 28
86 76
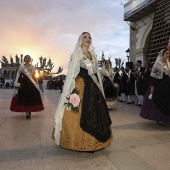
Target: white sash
23 69
29 75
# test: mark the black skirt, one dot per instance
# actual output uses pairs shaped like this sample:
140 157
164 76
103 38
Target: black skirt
28 98
161 95
95 118
109 90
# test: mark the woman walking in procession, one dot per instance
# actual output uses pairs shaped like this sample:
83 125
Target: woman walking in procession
109 87
27 96
156 105
82 120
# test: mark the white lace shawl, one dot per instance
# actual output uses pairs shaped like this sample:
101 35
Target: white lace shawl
69 84
160 67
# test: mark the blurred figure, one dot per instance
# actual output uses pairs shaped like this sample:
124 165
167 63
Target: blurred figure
139 84
108 86
40 82
116 80
146 76
7 85
130 92
123 85
61 83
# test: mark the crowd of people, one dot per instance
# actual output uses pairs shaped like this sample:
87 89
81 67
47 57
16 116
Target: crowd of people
133 84
82 119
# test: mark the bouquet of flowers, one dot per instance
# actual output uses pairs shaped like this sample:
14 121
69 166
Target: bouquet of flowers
73 101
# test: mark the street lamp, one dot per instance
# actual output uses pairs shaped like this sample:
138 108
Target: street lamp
128 54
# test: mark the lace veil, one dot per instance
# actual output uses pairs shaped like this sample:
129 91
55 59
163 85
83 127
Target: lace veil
160 67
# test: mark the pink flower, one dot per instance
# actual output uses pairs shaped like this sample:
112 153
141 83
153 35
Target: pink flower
115 85
74 99
17 85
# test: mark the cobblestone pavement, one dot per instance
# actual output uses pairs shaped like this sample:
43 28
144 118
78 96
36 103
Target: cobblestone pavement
137 144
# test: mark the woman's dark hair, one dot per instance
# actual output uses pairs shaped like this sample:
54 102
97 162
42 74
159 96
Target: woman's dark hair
122 68
26 56
85 33
107 61
164 50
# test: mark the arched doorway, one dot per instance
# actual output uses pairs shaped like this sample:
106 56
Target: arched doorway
146 46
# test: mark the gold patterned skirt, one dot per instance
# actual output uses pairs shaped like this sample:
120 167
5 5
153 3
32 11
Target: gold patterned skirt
85 130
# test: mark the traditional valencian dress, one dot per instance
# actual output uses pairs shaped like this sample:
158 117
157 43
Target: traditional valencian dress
158 108
109 90
82 120
27 97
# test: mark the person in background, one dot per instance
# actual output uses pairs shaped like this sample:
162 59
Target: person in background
130 91
123 85
109 87
116 80
7 85
26 97
61 83
156 104
40 82
139 84
146 78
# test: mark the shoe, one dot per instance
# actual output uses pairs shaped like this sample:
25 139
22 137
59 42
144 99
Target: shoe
139 105
133 103
160 123
123 101
28 115
128 103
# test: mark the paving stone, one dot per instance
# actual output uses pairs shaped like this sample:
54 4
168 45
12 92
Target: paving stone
137 144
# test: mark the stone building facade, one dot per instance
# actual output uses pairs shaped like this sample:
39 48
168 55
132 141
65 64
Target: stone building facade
143 17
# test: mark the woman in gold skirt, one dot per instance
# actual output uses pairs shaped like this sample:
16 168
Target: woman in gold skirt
82 120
